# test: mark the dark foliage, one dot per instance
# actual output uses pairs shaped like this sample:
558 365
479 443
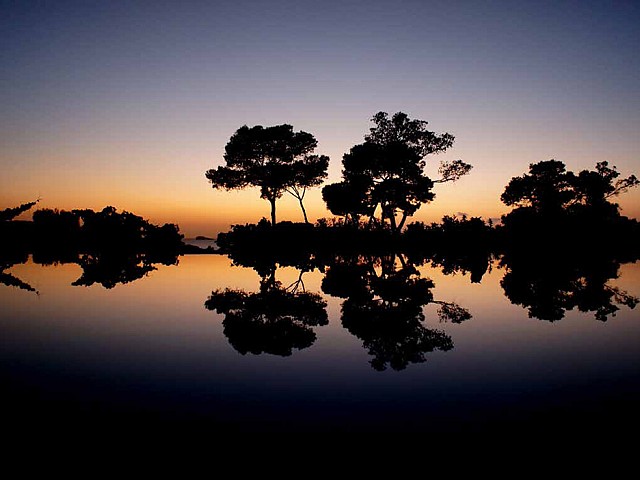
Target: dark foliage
274 320
111 270
111 247
550 283
386 172
87 231
9 214
275 159
383 306
457 244
553 205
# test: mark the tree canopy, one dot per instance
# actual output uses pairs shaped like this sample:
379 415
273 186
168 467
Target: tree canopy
386 172
276 159
546 188
549 189
9 214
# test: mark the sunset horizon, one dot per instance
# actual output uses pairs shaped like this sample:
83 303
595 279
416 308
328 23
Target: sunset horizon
222 219
108 105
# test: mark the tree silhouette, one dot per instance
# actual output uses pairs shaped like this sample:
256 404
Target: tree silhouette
276 159
9 214
384 308
349 199
593 189
546 189
109 231
549 189
310 171
274 320
386 171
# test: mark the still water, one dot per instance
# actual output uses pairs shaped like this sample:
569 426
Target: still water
151 351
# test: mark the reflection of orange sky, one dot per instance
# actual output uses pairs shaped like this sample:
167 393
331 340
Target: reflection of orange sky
170 299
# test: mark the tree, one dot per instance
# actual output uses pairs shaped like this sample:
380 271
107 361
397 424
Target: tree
276 159
9 214
309 172
349 199
593 189
549 189
546 189
387 171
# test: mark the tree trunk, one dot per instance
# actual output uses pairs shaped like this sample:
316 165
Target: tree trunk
404 219
392 220
304 212
273 211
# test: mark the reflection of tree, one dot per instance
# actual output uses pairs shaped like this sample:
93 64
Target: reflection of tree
550 286
458 244
384 308
9 258
109 271
474 263
273 320
11 281
106 269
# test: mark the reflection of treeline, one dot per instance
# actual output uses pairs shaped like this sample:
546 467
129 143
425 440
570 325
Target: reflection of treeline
550 283
384 297
546 275
9 258
107 268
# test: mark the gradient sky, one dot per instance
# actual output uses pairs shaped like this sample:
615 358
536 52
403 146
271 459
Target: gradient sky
129 103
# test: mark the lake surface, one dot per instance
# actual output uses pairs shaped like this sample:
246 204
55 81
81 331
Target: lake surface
149 352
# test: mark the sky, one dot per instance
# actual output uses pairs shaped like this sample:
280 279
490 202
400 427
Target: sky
129 103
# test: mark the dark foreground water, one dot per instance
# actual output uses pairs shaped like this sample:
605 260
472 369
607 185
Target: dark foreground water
149 353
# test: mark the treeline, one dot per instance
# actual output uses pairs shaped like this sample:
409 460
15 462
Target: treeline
383 177
384 183
88 231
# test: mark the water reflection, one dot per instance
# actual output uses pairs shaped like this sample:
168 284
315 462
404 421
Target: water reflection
474 263
109 268
274 320
74 350
551 284
383 307
383 295
7 260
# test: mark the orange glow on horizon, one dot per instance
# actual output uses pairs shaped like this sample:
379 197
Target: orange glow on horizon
216 211
157 190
